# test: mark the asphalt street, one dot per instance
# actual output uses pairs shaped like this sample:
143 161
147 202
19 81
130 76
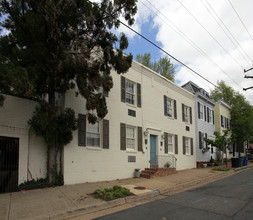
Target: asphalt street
226 199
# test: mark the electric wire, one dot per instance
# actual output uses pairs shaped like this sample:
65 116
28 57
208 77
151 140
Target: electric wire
210 35
176 29
228 30
187 67
240 19
224 30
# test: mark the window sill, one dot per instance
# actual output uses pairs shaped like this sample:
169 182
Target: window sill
130 105
94 148
131 151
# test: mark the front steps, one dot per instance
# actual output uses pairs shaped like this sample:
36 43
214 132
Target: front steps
155 171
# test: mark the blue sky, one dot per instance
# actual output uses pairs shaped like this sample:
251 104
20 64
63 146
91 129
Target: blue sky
137 45
206 35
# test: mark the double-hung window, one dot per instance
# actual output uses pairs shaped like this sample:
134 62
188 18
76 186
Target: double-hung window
210 115
170 144
187 146
186 113
130 137
92 134
202 140
169 107
130 93
201 111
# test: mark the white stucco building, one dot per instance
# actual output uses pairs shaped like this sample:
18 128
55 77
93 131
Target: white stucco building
150 120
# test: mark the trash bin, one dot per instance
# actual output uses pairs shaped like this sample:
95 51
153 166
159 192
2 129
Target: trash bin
245 161
235 162
241 159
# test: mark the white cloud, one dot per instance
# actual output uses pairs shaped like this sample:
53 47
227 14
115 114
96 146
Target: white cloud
230 62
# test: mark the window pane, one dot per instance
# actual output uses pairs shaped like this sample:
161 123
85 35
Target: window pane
130 137
169 108
170 144
92 134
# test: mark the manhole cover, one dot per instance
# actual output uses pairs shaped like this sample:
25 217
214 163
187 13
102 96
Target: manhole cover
140 187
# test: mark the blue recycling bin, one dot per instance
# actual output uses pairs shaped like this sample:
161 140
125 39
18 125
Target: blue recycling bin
241 160
245 161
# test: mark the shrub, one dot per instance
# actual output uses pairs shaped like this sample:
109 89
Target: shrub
111 193
221 169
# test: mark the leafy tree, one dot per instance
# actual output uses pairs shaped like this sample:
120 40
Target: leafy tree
241 112
56 46
223 92
221 142
163 66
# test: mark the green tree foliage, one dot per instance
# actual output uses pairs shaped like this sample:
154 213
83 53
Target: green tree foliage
241 112
223 92
163 66
55 46
221 142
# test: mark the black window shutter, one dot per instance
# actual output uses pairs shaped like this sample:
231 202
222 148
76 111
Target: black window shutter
221 120
122 136
165 143
207 114
200 141
206 137
183 145
198 110
213 117
139 95
81 130
106 134
165 104
183 112
175 109
139 138
123 89
176 144
191 146
190 115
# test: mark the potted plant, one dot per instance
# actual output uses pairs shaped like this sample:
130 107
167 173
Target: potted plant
167 165
211 162
137 173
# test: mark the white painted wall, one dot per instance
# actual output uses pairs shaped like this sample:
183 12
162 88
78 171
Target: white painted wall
13 123
86 164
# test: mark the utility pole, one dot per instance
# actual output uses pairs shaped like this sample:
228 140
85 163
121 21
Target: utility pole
247 77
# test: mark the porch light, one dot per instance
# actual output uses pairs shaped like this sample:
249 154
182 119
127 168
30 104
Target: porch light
146 133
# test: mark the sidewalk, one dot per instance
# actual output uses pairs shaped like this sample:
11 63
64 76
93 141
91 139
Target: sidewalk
64 201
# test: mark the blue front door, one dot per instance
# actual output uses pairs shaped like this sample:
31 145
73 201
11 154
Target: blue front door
152 149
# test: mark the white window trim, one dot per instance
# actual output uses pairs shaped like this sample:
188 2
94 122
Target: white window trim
133 94
188 142
135 139
171 107
172 143
201 106
186 113
210 116
99 133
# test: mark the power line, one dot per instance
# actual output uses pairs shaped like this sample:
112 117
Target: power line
225 31
240 19
166 53
187 67
181 33
210 35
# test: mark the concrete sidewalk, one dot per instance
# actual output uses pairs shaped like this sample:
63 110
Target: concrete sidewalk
61 202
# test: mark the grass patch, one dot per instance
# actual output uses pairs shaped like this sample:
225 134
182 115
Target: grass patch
221 169
111 193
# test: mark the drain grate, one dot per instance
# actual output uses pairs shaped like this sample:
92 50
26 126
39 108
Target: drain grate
140 187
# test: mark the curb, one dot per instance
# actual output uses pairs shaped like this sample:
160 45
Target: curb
149 195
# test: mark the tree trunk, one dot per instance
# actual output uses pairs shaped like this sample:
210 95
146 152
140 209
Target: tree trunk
51 148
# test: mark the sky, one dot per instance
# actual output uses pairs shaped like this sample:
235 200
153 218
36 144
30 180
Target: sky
214 38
